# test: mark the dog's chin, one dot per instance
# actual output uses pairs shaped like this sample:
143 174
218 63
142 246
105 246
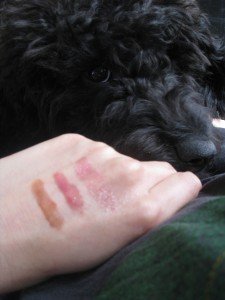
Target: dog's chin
218 164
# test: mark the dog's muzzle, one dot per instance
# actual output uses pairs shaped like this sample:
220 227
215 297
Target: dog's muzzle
201 152
196 150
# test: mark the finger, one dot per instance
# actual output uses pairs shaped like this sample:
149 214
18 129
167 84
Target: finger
170 195
160 164
134 171
158 171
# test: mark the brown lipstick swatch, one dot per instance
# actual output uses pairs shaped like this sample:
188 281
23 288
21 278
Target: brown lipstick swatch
47 205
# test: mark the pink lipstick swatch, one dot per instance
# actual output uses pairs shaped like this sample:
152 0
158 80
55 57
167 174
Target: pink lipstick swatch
85 171
47 205
95 184
70 191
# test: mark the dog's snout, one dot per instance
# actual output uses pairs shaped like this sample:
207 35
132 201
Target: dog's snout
196 151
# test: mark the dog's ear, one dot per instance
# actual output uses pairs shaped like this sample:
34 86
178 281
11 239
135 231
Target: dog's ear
186 30
25 31
33 41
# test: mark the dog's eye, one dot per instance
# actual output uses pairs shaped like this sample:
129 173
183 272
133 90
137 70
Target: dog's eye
99 74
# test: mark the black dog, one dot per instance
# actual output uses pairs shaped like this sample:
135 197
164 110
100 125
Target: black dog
145 76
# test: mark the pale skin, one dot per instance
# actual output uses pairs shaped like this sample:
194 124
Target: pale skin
145 194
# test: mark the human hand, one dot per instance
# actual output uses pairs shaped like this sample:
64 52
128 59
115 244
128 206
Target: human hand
97 201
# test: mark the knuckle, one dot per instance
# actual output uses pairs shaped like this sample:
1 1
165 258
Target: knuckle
150 214
132 171
100 145
132 166
168 166
127 169
102 148
70 138
126 163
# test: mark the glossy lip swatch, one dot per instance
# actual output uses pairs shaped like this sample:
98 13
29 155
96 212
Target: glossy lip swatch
47 205
95 184
70 192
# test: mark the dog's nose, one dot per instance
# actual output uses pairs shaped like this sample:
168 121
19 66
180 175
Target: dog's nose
196 151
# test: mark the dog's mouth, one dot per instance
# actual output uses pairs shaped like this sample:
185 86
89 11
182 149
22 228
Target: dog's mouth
198 165
218 163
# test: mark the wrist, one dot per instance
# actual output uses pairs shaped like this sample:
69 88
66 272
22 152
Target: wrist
23 248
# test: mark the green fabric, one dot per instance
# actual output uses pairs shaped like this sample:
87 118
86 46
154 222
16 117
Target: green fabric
183 260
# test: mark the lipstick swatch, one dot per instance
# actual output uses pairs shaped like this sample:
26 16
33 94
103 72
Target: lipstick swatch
70 191
95 184
47 205
85 171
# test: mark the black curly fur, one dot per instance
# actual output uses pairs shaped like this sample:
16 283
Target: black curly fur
167 75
